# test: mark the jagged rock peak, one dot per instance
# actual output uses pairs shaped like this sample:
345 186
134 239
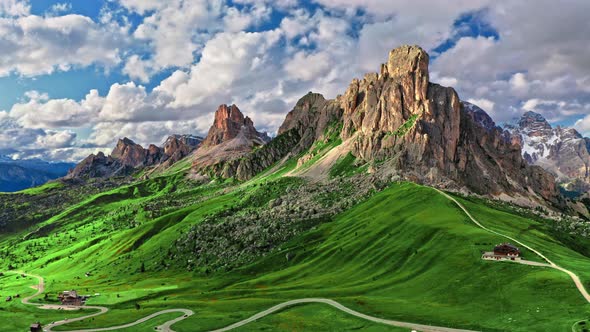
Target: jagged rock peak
535 120
178 146
122 144
128 156
407 59
188 140
227 113
420 130
300 116
226 125
560 150
229 122
129 152
310 98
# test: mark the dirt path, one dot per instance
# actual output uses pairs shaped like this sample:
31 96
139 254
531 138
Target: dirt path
550 263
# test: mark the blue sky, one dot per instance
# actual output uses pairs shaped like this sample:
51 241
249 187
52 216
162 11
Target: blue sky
77 75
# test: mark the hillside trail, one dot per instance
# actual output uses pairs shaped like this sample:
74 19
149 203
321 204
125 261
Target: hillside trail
166 327
550 263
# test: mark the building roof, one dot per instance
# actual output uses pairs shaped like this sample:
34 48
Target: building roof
506 248
72 293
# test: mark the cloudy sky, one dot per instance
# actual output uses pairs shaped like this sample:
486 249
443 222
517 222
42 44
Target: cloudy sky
77 75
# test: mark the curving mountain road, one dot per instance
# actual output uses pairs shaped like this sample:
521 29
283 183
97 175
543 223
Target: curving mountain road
166 327
420 327
550 263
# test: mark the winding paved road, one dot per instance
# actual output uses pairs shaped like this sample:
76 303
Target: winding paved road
550 263
419 327
166 327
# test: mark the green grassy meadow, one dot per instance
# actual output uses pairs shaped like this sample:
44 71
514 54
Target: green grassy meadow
407 253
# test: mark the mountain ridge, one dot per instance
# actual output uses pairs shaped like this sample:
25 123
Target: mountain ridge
423 130
395 121
128 157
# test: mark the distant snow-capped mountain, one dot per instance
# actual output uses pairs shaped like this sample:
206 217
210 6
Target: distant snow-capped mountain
560 150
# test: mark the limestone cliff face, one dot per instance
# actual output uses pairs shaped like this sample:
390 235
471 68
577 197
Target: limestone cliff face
422 129
429 133
401 97
129 153
492 163
310 118
176 147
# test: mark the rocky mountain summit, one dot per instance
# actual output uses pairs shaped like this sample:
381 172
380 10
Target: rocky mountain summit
560 150
127 157
229 123
231 136
403 124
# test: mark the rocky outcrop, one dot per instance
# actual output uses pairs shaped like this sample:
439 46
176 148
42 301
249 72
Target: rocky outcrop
480 116
128 157
483 147
133 155
231 136
560 150
176 147
229 122
98 166
310 118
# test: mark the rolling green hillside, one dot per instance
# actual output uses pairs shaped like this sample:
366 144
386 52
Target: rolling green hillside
404 252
